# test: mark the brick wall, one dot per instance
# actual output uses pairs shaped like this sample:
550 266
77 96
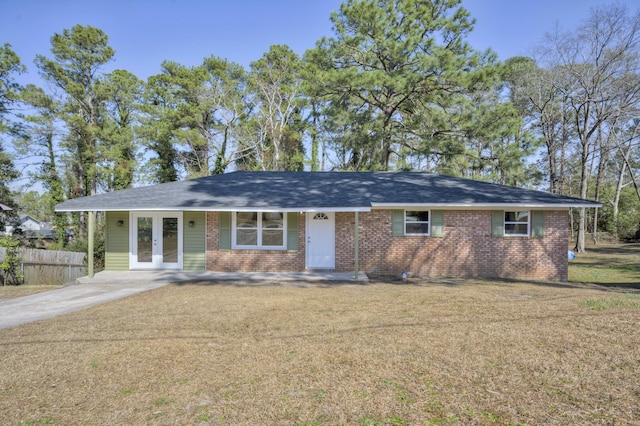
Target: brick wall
467 249
251 260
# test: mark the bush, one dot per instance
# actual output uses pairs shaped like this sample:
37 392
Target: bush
10 265
82 244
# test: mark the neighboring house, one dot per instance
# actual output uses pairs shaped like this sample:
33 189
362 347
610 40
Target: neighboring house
32 228
428 225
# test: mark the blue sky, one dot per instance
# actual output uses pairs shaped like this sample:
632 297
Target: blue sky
146 32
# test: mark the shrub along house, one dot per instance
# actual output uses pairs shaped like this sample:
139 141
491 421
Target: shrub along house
383 222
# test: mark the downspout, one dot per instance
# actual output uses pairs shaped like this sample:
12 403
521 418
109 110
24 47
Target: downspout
357 248
92 220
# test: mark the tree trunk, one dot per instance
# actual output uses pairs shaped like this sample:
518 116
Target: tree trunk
386 142
619 186
580 240
564 139
314 138
220 158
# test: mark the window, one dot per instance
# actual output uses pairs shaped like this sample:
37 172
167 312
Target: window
259 230
516 223
416 222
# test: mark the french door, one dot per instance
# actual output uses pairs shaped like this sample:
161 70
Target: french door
156 240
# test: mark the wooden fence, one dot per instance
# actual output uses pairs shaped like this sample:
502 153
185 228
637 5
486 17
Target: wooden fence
49 267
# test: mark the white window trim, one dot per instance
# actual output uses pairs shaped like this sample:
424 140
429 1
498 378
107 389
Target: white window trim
504 230
427 222
259 246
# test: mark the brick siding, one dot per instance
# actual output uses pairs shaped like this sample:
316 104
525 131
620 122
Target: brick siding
251 260
466 249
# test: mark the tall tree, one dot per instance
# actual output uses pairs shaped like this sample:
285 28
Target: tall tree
193 116
626 156
227 86
598 59
276 80
194 112
10 67
392 59
78 56
541 95
39 141
122 93
8 173
157 129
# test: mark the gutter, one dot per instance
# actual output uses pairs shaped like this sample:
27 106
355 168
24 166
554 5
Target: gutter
218 209
488 206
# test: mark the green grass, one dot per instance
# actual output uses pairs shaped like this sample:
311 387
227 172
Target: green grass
626 302
126 391
39 422
393 420
159 402
611 265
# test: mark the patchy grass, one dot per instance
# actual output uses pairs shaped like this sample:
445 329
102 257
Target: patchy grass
610 265
455 352
13 291
627 301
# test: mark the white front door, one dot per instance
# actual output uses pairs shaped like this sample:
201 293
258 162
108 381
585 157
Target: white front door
321 240
156 240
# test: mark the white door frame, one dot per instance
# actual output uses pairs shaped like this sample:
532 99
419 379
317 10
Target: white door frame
157 261
326 237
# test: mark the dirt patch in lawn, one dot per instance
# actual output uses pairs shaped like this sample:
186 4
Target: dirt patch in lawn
463 352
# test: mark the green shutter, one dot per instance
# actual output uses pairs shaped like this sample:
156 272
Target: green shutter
497 223
398 223
224 239
292 231
537 221
437 223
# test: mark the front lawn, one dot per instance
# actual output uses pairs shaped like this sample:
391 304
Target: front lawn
455 352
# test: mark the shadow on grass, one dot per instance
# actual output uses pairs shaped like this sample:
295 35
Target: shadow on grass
608 266
613 264
270 283
411 282
616 250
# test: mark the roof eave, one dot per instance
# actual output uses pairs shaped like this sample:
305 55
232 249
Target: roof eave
219 209
488 205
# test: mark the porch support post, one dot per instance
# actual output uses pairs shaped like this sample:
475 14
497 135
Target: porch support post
92 220
356 244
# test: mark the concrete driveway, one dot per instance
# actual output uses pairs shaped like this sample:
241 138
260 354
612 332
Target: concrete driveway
111 285
66 299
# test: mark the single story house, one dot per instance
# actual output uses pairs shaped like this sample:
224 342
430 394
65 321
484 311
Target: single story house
31 226
383 222
39 234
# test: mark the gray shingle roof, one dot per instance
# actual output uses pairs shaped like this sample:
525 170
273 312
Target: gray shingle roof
303 191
